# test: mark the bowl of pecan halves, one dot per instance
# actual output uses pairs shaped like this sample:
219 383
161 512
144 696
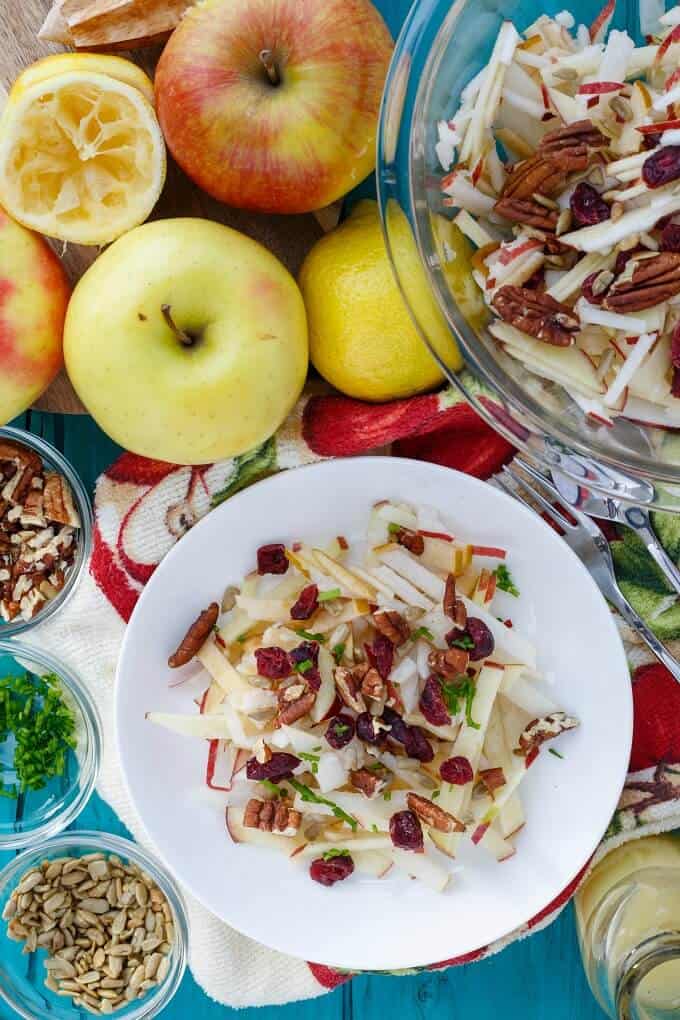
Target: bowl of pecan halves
45 530
536 156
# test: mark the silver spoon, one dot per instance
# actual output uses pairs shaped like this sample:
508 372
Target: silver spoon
578 495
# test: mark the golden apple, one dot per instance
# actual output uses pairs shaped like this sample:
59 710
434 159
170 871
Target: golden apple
273 104
187 341
34 293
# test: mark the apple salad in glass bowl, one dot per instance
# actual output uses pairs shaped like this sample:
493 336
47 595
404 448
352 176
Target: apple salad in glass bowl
367 706
563 161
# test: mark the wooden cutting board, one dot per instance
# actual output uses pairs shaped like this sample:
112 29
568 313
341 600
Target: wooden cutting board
288 237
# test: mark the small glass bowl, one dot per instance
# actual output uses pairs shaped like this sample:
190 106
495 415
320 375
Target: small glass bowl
55 461
22 976
37 815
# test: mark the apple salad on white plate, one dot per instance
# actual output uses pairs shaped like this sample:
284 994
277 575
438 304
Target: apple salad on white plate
563 168
370 704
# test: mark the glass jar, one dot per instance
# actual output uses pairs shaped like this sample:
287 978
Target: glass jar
628 920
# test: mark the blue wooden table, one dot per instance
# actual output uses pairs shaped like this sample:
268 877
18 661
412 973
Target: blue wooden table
538 979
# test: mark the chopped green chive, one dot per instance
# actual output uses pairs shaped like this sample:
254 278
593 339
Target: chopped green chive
393 528
340 728
464 641
310 797
242 638
308 636
422 632
551 750
313 759
33 711
329 595
374 828
504 580
302 667
387 795
272 787
338 652
334 852
435 794
462 690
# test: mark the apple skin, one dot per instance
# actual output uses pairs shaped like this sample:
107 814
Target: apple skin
290 148
34 293
195 404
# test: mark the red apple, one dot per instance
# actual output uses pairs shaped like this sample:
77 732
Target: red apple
273 105
34 293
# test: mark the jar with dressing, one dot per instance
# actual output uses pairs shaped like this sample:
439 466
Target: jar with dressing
628 920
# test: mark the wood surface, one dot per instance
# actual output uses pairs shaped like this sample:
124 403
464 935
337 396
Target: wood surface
288 237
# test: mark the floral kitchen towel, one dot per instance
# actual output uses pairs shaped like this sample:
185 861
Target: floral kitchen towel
143 507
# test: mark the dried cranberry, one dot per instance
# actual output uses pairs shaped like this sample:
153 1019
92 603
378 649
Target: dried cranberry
405 831
398 728
272 559
340 731
622 260
457 771
662 166
432 703
588 206
308 651
670 237
484 643
417 745
279 766
651 139
381 655
337 869
303 652
272 663
307 603
587 289
675 361
366 732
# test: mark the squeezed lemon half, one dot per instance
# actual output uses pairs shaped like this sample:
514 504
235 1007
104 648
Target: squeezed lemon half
82 156
99 63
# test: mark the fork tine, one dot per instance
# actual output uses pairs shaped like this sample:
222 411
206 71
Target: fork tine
546 506
500 483
544 479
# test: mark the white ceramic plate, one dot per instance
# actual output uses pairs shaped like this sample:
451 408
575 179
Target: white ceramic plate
395 922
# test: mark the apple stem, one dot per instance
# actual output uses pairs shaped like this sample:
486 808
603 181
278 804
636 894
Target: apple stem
184 338
269 64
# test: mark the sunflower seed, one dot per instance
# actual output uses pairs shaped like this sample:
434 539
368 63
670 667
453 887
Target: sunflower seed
95 906
72 878
30 881
10 909
163 968
122 950
141 894
111 983
152 964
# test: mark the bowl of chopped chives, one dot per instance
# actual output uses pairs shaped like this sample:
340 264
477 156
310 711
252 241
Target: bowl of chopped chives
50 745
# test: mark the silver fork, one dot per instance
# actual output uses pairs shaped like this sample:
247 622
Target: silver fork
589 544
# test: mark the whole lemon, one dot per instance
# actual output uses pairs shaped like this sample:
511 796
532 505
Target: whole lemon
362 338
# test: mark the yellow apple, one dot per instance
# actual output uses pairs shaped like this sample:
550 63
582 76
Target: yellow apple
187 341
34 292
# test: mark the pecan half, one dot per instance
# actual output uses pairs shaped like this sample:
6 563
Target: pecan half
568 146
195 637
411 540
368 781
449 664
449 600
493 779
292 710
540 730
539 315
58 501
431 814
373 685
348 689
535 175
393 626
527 211
271 816
651 282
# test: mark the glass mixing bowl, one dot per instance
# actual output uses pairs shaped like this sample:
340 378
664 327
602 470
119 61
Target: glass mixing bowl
441 47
